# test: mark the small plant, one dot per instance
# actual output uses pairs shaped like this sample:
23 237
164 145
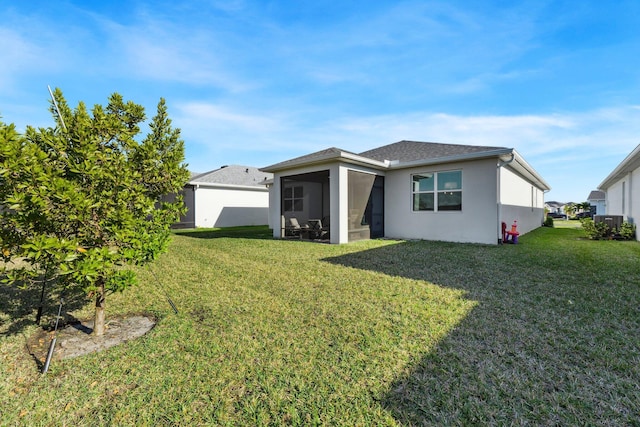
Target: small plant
627 231
595 230
548 222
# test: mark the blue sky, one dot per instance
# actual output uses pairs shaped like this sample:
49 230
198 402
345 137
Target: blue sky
257 82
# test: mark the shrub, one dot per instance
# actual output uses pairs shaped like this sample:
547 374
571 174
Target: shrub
627 231
548 222
600 230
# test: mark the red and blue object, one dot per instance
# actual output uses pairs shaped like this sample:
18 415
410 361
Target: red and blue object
512 235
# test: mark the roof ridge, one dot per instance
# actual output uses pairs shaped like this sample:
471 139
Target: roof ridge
407 150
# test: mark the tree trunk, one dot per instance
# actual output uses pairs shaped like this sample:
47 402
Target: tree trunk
98 323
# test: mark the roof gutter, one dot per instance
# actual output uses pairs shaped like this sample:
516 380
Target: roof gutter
354 158
258 187
521 166
502 163
449 159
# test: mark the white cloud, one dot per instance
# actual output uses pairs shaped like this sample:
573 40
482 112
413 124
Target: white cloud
211 117
586 145
537 135
156 49
22 56
613 129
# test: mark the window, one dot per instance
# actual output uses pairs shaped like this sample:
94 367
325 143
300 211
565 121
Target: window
423 192
293 199
437 191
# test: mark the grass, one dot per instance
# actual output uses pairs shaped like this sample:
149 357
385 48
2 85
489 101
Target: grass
379 332
563 223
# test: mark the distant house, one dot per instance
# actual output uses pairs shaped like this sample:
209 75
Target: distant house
555 207
622 189
597 199
409 190
229 196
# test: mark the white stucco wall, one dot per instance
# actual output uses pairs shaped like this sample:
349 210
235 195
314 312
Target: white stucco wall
229 207
338 185
614 198
274 221
520 201
601 207
623 198
477 222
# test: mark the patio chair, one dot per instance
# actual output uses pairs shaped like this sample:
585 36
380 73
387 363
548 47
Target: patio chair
325 228
318 231
293 229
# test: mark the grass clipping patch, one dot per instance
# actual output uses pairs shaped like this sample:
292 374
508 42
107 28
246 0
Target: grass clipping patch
75 338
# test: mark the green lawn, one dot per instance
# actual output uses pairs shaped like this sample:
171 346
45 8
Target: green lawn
270 332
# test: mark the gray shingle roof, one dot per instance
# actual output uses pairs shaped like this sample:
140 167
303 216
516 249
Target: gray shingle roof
404 154
402 151
406 151
233 175
322 154
596 195
554 204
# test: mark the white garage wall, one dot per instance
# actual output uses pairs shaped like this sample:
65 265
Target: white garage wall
230 206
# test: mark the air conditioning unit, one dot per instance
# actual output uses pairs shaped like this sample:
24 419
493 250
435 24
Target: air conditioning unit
613 221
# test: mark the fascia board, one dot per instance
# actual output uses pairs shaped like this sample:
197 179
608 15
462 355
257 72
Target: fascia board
364 161
228 186
305 162
329 157
503 153
525 169
451 159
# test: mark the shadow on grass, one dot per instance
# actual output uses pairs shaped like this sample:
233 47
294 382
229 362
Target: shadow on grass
536 348
20 307
246 232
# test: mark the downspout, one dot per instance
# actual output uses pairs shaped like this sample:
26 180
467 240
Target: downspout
501 163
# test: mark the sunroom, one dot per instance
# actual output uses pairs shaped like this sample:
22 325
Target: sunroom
338 202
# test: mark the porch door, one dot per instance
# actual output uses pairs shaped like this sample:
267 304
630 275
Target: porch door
374 213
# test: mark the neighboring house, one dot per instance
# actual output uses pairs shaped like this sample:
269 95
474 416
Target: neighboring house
597 199
555 207
226 197
622 189
409 190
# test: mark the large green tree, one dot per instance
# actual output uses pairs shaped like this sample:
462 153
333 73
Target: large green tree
82 202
